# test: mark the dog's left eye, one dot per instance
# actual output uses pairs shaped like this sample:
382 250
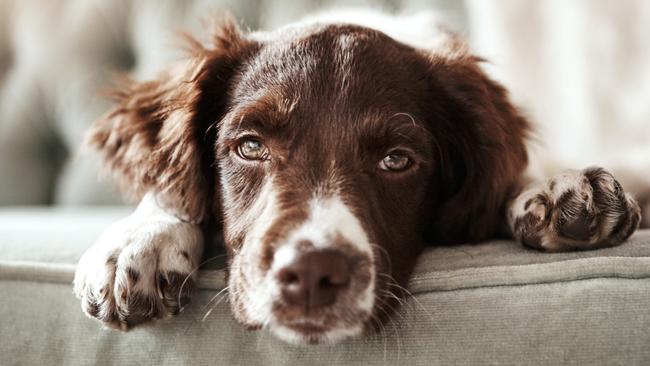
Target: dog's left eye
395 162
252 149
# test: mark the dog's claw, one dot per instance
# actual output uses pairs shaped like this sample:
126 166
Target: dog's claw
585 209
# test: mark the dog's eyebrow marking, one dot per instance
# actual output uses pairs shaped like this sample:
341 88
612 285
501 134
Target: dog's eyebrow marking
268 112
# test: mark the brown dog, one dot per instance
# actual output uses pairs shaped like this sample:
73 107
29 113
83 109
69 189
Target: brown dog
330 153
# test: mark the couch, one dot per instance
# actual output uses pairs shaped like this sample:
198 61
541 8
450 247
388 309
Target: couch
490 303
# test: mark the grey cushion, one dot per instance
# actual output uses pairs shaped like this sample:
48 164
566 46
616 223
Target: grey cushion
473 304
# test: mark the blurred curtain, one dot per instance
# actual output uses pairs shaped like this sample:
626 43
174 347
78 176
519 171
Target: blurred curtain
581 68
279 12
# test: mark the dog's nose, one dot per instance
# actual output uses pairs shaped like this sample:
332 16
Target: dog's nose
314 279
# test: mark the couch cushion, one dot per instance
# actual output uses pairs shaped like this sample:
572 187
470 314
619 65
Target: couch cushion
489 303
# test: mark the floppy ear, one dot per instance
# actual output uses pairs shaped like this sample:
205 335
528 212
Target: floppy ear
160 135
484 155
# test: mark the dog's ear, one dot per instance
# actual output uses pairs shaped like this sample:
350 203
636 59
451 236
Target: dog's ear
482 139
160 135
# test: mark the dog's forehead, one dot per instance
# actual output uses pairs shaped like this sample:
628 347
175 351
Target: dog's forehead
334 63
346 75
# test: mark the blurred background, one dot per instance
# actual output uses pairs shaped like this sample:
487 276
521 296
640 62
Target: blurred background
579 68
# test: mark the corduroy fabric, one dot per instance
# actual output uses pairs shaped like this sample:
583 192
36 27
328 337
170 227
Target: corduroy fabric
491 303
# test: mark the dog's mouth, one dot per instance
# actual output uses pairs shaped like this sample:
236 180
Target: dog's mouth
307 327
312 331
303 331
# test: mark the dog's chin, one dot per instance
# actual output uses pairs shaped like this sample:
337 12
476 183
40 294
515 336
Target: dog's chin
310 329
307 333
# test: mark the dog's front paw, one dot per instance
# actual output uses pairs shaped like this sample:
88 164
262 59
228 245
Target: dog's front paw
575 210
139 270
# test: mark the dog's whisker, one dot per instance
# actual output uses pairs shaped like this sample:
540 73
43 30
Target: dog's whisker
224 296
381 332
383 251
384 311
388 319
207 131
223 291
207 314
392 310
392 295
215 296
395 329
391 282
180 291
416 302
398 340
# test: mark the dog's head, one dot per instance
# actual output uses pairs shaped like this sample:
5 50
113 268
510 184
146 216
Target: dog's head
331 154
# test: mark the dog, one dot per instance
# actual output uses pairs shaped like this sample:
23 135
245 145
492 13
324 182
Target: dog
328 153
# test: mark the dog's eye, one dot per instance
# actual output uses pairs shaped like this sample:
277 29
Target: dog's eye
251 149
395 162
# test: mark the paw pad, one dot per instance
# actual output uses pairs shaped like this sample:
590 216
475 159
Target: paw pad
582 210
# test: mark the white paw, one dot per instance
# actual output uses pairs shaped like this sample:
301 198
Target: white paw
141 268
575 210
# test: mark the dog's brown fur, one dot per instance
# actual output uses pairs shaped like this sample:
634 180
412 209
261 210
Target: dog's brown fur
162 134
329 101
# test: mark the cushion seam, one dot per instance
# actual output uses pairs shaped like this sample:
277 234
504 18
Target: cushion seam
533 283
420 283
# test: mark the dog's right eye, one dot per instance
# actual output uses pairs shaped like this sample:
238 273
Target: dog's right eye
252 149
395 162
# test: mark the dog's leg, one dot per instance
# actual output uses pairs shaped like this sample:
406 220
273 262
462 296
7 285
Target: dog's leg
575 210
141 268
